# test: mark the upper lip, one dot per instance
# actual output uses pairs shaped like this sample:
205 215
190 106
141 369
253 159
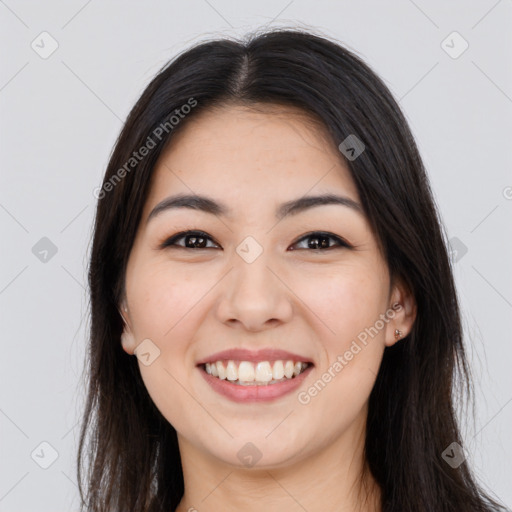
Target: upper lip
266 354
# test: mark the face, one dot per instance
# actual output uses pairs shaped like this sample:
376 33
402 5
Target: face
307 286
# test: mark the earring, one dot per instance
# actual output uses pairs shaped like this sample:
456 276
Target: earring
398 334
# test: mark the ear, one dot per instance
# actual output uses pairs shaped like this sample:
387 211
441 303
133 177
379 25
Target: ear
127 337
403 304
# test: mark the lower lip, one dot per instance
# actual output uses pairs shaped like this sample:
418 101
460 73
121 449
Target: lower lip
239 393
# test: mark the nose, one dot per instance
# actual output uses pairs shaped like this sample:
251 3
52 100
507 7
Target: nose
253 296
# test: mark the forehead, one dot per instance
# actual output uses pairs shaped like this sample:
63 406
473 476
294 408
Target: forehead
241 154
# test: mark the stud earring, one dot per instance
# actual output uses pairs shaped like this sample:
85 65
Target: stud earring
398 334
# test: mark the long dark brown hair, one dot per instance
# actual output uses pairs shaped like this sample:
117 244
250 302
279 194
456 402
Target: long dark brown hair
128 456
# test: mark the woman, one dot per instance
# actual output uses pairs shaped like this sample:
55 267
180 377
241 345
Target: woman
274 319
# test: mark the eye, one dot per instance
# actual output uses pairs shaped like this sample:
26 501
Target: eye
193 240
319 240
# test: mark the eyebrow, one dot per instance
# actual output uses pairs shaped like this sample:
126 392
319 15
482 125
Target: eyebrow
208 205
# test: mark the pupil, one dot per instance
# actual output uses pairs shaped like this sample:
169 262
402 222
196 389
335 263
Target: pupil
194 241
314 242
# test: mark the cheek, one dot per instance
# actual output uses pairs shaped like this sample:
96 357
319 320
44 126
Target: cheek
162 304
349 303
160 301
346 301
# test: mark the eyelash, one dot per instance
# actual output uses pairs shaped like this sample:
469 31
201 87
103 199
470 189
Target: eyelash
171 242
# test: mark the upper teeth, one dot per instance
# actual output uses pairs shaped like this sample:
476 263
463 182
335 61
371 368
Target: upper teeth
263 371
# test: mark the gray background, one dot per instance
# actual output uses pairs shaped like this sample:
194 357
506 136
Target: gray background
60 116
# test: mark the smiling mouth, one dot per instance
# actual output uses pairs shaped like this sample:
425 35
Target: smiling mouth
262 373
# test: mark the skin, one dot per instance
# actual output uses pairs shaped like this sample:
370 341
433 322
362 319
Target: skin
193 302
